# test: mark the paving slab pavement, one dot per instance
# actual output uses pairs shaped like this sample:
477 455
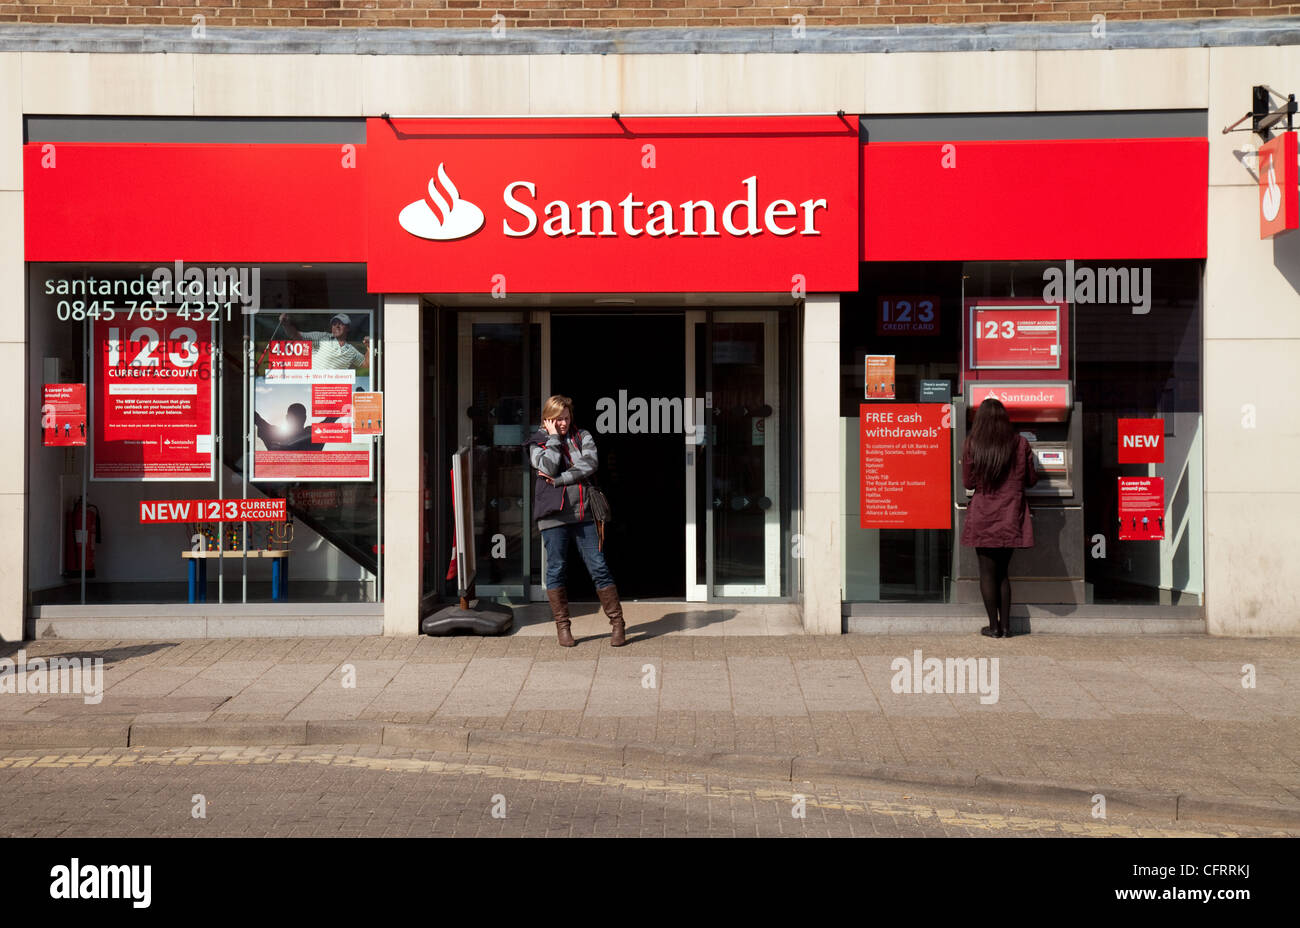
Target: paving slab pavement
1167 715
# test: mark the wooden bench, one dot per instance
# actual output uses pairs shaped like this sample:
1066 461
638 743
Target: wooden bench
199 570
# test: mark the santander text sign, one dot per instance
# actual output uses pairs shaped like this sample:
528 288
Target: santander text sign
604 205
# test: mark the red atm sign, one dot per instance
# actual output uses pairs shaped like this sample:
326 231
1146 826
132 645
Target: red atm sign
1141 441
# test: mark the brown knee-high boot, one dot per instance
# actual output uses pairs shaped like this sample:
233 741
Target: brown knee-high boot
614 609
559 598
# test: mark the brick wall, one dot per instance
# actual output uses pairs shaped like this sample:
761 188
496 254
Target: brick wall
478 14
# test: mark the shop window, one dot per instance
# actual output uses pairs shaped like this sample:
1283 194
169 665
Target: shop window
1133 353
233 383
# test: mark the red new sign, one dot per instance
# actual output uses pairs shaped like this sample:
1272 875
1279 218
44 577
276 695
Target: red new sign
592 205
1278 206
158 511
1141 441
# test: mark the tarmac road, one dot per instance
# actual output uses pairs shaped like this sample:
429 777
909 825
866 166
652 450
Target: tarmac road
382 791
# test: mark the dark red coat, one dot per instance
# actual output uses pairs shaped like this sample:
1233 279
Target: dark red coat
999 516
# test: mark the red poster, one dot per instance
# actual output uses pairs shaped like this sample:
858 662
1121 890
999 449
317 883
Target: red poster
302 413
1141 508
906 466
1141 441
158 511
907 315
1017 337
63 414
153 399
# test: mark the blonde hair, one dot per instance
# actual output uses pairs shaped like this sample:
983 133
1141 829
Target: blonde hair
556 405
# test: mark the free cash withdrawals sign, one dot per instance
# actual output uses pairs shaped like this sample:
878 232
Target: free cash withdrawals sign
906 465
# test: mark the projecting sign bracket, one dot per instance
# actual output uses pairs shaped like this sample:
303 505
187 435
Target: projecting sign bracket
1262 115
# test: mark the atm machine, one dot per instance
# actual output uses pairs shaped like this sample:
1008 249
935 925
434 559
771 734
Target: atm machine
1029 372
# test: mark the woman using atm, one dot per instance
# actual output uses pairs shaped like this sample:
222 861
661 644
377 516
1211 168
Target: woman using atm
997 463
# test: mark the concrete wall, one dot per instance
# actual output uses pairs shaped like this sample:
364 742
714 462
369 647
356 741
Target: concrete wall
404 445
822 505
1252 306
13 365
1252 346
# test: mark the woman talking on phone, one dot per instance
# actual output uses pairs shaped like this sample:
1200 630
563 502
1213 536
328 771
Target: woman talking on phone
997 463
564 458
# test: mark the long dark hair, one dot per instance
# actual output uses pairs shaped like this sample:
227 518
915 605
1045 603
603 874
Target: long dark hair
991 443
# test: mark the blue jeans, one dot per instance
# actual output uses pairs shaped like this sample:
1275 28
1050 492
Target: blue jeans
556 541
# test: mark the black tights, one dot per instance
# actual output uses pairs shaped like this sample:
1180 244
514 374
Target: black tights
995 584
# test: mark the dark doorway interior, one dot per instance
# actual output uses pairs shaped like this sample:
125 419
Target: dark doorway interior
644 474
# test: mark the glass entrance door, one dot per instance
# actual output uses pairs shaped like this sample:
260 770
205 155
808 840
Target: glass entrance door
499 372
732 438
738 503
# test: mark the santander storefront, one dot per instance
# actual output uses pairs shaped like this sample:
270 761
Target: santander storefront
721 296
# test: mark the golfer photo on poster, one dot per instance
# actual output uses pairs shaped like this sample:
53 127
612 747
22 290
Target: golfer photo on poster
309 364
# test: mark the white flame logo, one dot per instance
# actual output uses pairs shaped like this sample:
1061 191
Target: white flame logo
1271 202
446 218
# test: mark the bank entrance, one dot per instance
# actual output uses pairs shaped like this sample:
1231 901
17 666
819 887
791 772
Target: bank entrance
690 410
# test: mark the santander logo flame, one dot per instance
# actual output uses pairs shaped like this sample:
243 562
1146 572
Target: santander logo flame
445 218
1271 202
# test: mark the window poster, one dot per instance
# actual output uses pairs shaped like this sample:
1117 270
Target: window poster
880 377
310 363
153 397
1141 508
63 415
368 414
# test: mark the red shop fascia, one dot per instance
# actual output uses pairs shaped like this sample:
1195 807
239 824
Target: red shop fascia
609 205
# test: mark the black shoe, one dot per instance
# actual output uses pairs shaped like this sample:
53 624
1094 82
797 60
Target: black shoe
988 632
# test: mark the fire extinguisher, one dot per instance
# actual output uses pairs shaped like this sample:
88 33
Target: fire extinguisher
72 531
